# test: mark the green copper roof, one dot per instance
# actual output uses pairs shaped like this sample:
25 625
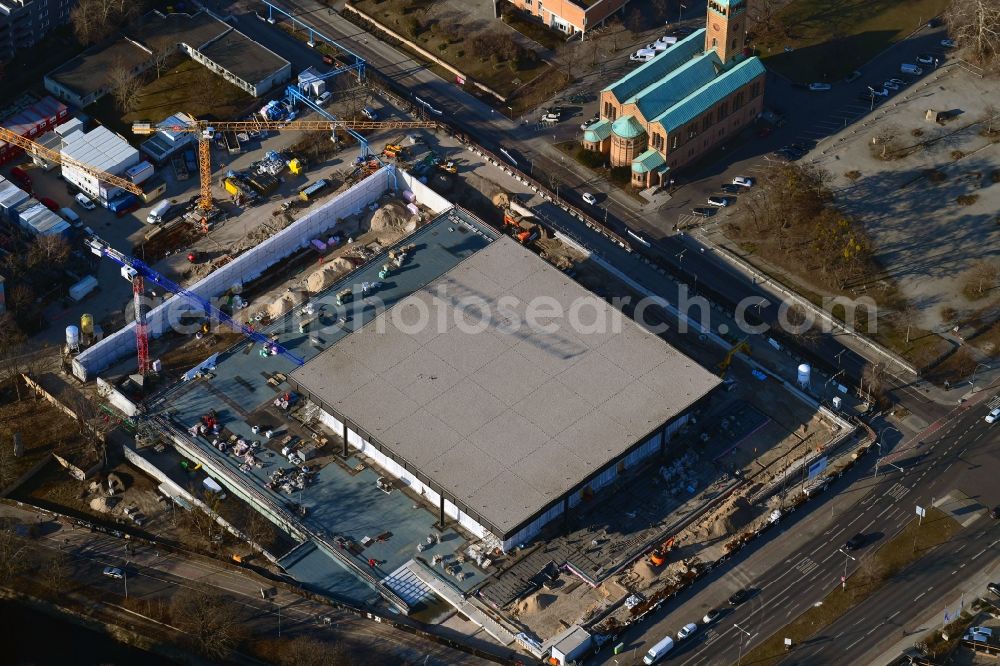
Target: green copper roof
627 127
598 132
659 96
657 68
648 161
711 93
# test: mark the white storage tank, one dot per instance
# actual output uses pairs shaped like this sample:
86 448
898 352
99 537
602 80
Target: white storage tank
72 337
804 374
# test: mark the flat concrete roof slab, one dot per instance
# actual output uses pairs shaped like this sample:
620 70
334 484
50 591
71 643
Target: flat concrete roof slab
504 415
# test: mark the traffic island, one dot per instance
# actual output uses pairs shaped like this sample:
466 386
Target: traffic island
915 540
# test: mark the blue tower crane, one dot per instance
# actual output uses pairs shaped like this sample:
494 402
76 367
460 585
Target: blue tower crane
136 271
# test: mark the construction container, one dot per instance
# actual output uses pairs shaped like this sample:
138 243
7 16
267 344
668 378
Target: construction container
232 186
312 191
140 172
264 184
79 290
153 189
11 196
123 204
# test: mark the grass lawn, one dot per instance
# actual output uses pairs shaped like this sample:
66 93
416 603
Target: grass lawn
876 568
453 45
184 86
830 38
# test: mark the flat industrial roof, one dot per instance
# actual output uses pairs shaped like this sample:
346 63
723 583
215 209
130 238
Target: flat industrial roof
510 418
237 53
91 70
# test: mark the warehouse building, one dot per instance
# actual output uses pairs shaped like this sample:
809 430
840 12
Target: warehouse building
504 428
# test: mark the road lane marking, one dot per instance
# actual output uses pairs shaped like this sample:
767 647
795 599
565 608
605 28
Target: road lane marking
865 528
919 595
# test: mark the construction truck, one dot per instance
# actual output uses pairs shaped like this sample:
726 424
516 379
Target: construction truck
741 346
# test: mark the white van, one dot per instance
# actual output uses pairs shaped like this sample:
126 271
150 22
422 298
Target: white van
657 651
910 69
643 55
158 213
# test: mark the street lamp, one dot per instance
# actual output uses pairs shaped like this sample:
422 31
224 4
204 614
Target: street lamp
843 579
739 660
878 443
981 365
838 355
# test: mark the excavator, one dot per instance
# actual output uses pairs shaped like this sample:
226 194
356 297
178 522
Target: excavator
741 346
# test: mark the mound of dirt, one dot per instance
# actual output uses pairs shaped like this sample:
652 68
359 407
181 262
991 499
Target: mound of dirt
102 504
393 220
501 200
284 304
324 277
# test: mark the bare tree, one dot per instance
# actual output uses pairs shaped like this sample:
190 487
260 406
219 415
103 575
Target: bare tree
975 25
12 555
48 251
766 22
213 623
990 117
160 56
982 276
125 85
634 20
308 651
885 143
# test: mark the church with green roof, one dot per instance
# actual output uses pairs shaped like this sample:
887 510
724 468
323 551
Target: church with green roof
684 102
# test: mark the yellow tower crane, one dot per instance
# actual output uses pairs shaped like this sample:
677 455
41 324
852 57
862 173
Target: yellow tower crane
206 131
56 157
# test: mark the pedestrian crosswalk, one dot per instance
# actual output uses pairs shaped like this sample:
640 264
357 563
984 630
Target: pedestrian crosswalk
806 566
898 491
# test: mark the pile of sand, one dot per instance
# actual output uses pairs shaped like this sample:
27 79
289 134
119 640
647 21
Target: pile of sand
324 277
393 219
284 304
101 504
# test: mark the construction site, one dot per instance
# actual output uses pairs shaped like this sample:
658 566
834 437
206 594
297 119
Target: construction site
521 484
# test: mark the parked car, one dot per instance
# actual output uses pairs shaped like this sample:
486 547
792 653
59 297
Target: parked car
589 198
949 43
815 87
994 588
739 596
711 616
855 542
721 202
993 415
85 201
729 188
591 121
890 85
369 113
878 91
913 70
925 59
114 572
852 77
687 630
703 212
743 181
551 117
898 82
642 55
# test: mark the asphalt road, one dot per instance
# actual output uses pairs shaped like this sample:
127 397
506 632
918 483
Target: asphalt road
961 455
154 574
